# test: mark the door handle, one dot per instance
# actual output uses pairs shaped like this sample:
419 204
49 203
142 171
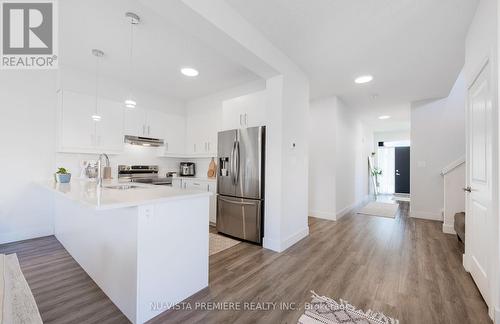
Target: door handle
237 162
467 189
237 202
231 165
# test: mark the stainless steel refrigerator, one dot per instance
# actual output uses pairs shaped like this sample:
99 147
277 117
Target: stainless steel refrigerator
240 183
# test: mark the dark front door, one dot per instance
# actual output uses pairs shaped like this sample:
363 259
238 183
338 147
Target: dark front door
402 166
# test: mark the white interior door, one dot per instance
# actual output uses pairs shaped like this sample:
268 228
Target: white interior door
479 179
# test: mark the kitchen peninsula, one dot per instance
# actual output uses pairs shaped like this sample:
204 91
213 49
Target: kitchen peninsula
145 246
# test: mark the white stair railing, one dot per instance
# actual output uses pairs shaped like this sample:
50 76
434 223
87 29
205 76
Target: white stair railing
454 197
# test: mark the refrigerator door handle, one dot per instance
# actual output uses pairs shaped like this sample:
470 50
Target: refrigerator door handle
237 202
232 167
237 162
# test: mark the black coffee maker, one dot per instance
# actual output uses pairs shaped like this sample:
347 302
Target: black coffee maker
187 169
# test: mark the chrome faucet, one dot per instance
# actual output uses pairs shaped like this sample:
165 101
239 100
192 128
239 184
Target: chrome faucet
99 168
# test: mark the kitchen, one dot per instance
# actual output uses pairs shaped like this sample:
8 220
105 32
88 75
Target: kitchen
81 110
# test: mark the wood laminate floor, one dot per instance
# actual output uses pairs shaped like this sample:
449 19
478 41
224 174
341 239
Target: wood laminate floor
404 267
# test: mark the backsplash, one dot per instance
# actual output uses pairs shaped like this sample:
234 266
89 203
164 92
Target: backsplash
132 155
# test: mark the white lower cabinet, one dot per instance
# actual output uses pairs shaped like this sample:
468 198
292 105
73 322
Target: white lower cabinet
204 185
177 183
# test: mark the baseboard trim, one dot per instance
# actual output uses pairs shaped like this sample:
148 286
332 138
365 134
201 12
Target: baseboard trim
323 215
426 215
352 208
295 238
27 234
448 229
271 244
275 245
494 314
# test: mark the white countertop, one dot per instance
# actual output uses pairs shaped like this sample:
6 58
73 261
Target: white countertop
196 178
87 193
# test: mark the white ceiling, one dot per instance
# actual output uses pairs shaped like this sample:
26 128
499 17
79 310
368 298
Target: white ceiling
161 49
413 48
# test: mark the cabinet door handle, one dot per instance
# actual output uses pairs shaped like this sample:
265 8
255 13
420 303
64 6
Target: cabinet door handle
149 130
208 146
143 129
166 145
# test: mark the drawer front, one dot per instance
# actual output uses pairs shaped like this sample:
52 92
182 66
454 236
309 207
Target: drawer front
240 218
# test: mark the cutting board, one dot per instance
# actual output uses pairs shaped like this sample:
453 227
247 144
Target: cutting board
212 169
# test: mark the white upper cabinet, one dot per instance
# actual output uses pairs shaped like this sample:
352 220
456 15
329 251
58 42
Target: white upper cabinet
135 122
201 135
76 127
79 133
109 130
156 124
175 133
244 111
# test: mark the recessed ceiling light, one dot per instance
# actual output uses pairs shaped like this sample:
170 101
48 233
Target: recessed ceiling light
384 117
190 72
363 79
96 118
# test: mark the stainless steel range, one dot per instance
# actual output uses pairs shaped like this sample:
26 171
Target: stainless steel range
142 174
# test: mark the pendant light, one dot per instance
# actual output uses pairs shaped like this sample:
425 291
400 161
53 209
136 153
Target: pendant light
134 20
98 54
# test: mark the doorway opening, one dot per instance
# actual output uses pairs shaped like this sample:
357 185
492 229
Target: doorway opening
393 160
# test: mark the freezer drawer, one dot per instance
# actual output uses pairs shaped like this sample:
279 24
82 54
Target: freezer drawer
240 218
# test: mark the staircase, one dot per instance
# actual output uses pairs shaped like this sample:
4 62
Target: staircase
454 197
459 226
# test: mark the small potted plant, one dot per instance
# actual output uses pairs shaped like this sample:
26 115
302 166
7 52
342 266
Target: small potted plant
62 175
376 173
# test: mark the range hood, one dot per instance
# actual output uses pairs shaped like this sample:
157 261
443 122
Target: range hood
143 141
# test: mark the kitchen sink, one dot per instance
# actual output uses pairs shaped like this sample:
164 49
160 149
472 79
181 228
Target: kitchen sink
122 187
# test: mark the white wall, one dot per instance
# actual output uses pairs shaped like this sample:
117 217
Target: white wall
83 82
353 147
28 128
392 136
339 146
437 139
322 158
